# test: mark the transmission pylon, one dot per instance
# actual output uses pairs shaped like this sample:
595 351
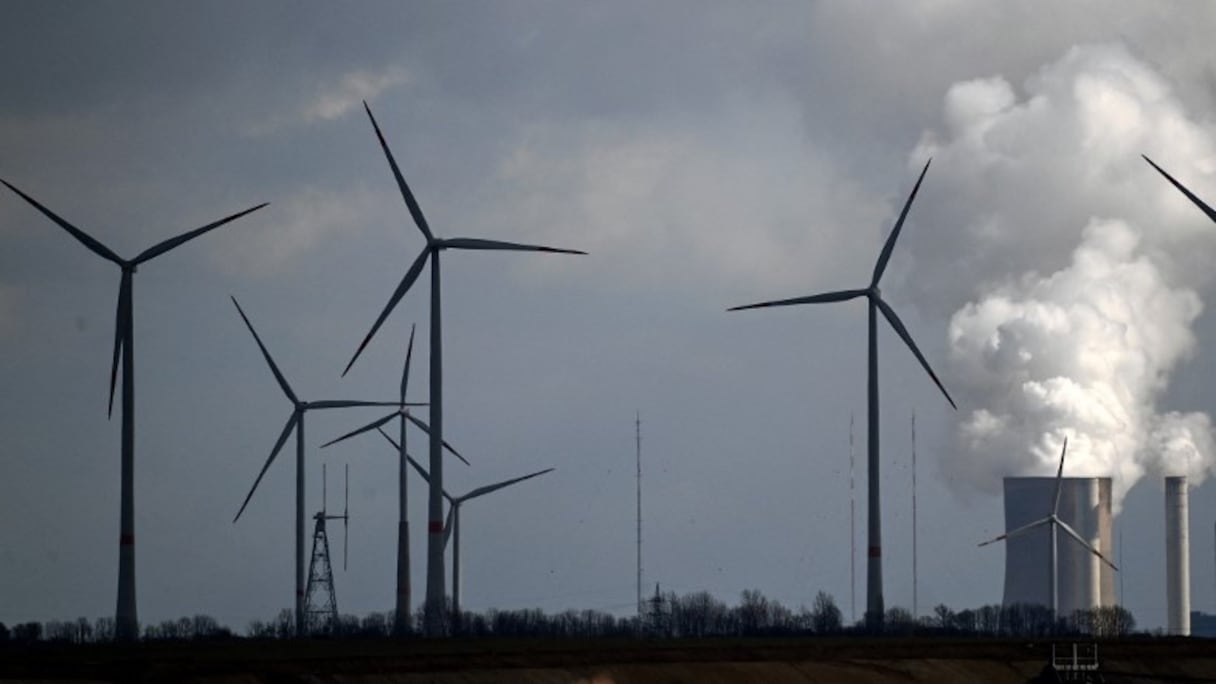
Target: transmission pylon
320 602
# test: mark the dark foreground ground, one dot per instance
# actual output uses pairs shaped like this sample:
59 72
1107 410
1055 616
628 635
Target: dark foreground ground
725 661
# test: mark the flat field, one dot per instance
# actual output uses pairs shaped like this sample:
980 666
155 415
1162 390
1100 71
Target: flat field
726 661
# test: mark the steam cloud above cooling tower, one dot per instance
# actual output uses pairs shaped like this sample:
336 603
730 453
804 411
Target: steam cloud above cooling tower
1090 266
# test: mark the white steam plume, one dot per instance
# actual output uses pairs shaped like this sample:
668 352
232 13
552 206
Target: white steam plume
1089 265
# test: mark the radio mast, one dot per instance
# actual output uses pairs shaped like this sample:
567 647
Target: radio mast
637 433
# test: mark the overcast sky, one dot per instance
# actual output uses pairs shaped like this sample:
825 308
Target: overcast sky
706 155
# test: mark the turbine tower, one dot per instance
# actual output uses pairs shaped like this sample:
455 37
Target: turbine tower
1054 521
126 621
294 422
320 600
433 623
874 598
451 527
401 618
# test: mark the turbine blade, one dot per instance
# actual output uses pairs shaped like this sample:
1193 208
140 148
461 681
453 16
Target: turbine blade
1055 506
88 241
120 330
482 491
370 426
274 368
1189 195
840 296
278 445
1018 532
410 276
887 248
425 428
398 448
417 466
447 524
1073 533
409 354
475 243
889 314
159 249
347 403
410 202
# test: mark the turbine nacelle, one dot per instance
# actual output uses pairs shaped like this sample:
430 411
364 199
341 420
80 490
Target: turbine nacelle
434 244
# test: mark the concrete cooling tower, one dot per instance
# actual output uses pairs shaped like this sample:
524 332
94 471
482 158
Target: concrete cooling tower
1084 580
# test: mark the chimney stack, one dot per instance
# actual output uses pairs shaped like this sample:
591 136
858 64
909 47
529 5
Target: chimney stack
1177 557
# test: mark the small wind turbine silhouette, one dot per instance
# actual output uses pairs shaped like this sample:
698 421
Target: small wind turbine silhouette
294 422
434 245
874 597
451 526
126 622
1054 521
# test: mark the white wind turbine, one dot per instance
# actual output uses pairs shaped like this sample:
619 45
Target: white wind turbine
874 594
433 622
294 422
451 527
401 620
1053 520
126 621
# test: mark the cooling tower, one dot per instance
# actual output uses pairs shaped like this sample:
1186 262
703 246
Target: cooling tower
1177 557
1085 505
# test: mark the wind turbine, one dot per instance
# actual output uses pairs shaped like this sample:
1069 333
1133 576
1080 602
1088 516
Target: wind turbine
451 527
320 569
1189 195
401 619
294 422
1054 521
434 245
126 622
874 598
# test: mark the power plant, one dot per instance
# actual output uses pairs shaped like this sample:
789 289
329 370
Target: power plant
1084 581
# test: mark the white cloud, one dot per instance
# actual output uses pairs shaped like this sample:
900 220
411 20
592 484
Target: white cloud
334 99
743 206
1079 321
298 226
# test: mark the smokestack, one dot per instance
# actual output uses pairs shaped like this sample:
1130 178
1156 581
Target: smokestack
1177 557
1085 505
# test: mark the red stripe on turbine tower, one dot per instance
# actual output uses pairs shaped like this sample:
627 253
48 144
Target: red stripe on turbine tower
436 526
126 540
875 552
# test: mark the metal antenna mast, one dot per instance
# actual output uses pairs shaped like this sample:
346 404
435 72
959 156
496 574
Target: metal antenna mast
852 529
320 602
637 431
915 614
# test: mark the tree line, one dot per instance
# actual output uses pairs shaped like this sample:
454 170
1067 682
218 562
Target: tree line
693 615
